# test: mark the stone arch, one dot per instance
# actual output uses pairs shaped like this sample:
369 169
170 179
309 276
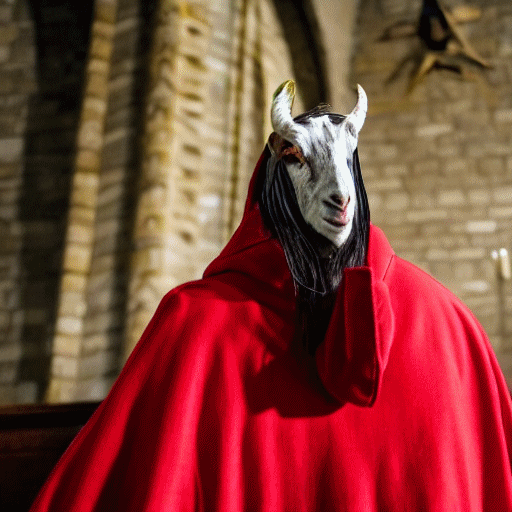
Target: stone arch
48 82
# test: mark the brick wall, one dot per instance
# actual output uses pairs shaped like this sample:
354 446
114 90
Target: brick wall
17 83
40 93
438 163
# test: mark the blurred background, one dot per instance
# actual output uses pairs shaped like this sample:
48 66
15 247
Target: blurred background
129 130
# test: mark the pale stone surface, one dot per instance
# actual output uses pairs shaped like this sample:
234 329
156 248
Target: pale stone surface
479 196
484 226
10 149
433 130
383 185
66 345
474 253
426 215
64 367
451 198
503 194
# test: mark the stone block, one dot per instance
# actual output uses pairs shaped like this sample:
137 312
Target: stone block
97 85
94 109
26 392
92 389
502 194
451 198
11 352
72 303
80 234
5 53
81 215
476 286
422 200
426 215
85 190
393 170
479 196
100 342
426 167
101 48
104 322
70 325
492 166
99 67
500 212
8 33
113 193
8 372
129 25
437 255
60 390
103 30
97 365
64 367
503 116
384 185
68 346
482 226
87 159
90 135
397 201
11 149
433 130
384 151
468 253
77 258
5 14
106 11
465 271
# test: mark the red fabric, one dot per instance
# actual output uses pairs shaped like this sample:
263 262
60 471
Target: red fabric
213 413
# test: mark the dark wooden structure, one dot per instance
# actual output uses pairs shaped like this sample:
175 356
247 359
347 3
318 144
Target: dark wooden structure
32 439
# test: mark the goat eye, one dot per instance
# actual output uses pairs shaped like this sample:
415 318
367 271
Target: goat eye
293 155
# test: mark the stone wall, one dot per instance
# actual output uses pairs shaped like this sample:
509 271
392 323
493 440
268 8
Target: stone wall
438 163
172 123
17 83
40 91
125 155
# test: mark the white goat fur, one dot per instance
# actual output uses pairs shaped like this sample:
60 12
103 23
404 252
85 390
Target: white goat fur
322 179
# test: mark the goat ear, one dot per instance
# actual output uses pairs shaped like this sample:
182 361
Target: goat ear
281 110
356 118
275 142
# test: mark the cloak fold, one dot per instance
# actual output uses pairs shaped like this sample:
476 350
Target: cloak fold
213 413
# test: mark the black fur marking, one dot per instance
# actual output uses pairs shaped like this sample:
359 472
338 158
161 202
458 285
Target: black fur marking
315 263
351 130
320 110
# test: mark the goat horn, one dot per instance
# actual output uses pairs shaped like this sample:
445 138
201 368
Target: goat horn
358 115
281 111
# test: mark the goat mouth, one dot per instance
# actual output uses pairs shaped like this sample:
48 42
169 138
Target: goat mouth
337 222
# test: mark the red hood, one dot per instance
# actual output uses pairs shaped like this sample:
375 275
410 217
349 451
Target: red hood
253 251
354 353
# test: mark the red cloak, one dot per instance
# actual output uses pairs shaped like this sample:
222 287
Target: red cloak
212 412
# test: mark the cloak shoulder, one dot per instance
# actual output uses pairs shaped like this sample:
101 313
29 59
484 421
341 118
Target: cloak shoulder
139 451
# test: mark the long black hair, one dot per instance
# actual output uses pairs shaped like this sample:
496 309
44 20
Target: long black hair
315 263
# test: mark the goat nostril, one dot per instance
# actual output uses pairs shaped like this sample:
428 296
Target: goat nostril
338 200
335 198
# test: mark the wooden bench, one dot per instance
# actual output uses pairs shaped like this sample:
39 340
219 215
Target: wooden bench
32 439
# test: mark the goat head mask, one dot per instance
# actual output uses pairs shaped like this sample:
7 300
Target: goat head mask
318 153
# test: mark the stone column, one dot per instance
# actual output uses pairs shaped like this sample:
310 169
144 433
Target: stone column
67 342
166 226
